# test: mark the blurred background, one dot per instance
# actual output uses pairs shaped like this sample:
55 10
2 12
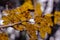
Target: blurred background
21 35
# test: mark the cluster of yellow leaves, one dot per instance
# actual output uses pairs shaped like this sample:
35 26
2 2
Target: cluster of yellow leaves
19 27
44 23
3 36
14 18
57 17
21 14
38 10
18 14
31 30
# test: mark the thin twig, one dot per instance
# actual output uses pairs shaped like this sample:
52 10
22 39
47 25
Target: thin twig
5 26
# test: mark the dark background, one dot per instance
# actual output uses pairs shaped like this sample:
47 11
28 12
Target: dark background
11 3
